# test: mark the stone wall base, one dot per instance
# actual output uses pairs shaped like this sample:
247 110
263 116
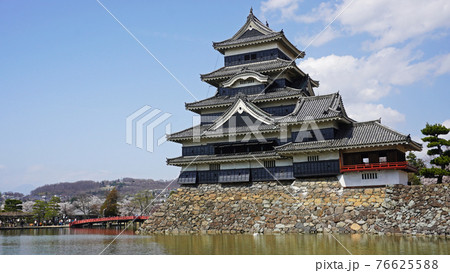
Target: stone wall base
312 206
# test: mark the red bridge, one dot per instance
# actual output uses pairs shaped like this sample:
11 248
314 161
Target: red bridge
80 223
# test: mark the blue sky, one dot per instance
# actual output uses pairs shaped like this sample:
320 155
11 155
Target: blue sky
70 74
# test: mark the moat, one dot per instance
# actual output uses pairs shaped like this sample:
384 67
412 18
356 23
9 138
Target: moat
94 241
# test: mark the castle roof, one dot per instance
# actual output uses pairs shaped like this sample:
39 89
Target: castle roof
275 65
225 101
316 108
255 32
357 135
236 157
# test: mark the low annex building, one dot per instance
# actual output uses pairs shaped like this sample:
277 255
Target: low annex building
265 123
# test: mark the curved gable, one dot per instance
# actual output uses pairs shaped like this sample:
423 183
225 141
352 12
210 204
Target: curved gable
245 76
240 107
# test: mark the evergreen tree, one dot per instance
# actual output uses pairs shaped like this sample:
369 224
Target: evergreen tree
417 163
110 206
52 208
39 209
12 205
439 148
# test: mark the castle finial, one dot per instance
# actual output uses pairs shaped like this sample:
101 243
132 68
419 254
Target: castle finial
267 24
251 10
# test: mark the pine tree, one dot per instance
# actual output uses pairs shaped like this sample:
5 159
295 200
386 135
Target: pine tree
110 206
439 148
52 209
13 205
39 209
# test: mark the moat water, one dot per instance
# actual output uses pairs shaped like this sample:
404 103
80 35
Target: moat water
106 241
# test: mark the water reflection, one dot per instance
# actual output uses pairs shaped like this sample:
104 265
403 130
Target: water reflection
93 241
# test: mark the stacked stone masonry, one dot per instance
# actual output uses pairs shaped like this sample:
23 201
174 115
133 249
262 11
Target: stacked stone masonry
304 207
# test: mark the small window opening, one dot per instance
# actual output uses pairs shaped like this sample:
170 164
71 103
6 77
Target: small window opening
214 167
269 164
313 158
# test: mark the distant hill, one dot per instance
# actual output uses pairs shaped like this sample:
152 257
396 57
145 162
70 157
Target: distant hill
125 186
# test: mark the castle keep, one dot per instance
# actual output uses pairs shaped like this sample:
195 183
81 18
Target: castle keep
265 123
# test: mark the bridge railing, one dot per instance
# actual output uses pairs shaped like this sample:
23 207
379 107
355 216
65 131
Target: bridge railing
107 219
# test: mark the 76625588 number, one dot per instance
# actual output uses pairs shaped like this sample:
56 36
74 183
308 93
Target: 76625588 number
407 264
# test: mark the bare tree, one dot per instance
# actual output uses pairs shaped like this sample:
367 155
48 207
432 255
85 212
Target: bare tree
28 206
142 201
67 208
88 205
128 207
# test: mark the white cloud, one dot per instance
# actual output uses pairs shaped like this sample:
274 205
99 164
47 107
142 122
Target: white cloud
447 124
369 111
368 79
326 36
287 8
388 22
391 22
371 78
444 67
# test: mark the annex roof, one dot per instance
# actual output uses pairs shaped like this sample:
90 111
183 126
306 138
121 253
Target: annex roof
357 135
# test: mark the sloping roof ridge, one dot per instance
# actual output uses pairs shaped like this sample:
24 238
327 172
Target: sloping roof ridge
377 122
320 96
343 111
205 99
298 106
185 130
333 101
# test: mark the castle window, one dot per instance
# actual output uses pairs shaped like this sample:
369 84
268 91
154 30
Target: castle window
382 157
269 163
251 80
365 158
253 56
246 57
214 167
313 158
366 176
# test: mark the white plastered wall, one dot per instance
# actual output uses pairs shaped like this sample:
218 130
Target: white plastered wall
322 156
384 177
